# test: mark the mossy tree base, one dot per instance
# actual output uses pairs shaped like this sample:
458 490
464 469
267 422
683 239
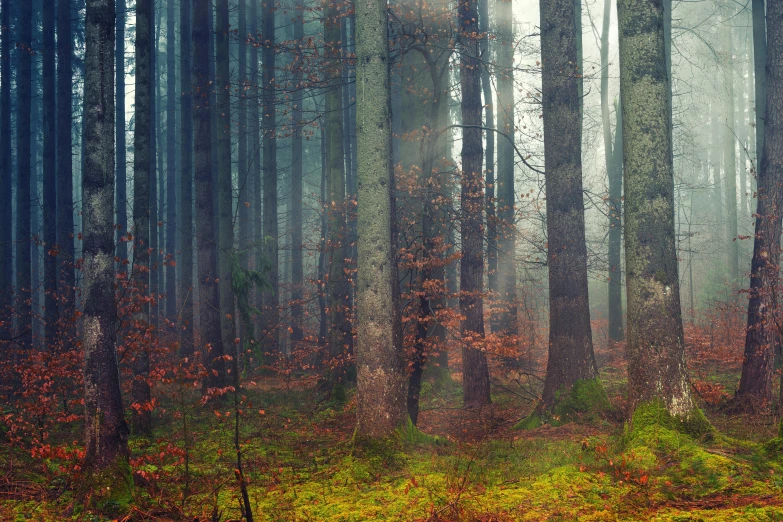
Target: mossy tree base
654 416
583 402
109 490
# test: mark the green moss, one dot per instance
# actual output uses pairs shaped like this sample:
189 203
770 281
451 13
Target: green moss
530 422
110 490
586 397
410 434
654 414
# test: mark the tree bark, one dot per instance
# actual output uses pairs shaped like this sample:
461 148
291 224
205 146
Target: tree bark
490 174
186 287
142 163
106 432
6 240
655 345
759 23
613 160
65 235
379 349
269 112
571 357
23 239
616 327
121 198
730 160
50 177
506 226
762 332
225 233
297 269
337 285
209 294
171 164
475 372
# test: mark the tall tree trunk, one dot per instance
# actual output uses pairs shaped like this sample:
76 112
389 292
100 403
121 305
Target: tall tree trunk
489 183
209 294
6 248
160 154
338 288
50 176
106 431
271 297
758 366
730 160
656 351
475 372
154 171
65 235
224 184
571 357
24 87
297 269
759 23
429 330
255 146
615 171
379 349
171 164
186 287
614 176
506 227
142 175
121 196
245 181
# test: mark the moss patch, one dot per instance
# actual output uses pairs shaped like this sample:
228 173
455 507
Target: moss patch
583 402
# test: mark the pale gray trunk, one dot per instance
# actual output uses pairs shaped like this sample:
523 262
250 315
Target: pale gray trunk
379 348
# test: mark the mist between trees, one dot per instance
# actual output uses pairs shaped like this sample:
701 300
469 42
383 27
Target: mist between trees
386 208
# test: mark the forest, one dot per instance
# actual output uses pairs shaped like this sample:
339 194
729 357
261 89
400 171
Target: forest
404 260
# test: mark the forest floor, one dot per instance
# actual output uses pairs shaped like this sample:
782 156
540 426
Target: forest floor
471 466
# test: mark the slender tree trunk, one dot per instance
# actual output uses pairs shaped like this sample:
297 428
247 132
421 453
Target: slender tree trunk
338 288
6 248
122 213
65 235
186 287
154 171
271 297
24 87
656 354
614 176
106 431
490 178
245 181
758 366
506 227
255 147
224 184
209 296
50 177
615 171
475 372
171 164
379 349
571 357
730 160
429 330
297 269
759 23
142 163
